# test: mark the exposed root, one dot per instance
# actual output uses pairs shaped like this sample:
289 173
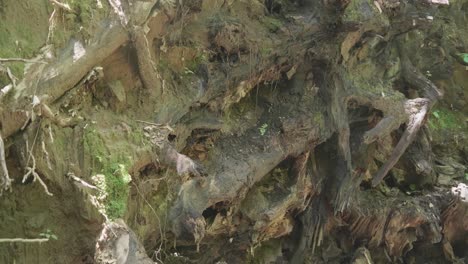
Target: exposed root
5 181
46 153
21 60
417 110
44 110
80 182
32 171
65 7
148 69
117 6
23 240
168 155
52 24
12 77
5 90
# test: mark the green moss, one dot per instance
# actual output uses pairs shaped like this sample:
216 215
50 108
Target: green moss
443 119
266 252
359 10
193 64
138 137
114 184
319 121
21 34
271 23
163 64
266 51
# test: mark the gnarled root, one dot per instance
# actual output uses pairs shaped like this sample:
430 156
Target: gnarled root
417 110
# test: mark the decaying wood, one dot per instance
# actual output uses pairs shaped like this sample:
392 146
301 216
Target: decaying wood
397 225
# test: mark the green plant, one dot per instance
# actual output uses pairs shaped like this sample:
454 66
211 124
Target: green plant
446 119
272 24
49 235
114 178
464 57
263 129
193 64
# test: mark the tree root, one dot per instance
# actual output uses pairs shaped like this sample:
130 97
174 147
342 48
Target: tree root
5 181
416 109
23 240
45 111
396 226
148 70
32 171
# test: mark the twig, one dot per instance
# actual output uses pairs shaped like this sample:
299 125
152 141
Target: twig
5 181
21 60
23 240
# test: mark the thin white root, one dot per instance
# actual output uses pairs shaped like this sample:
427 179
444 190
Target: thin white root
51 25
20 60
32 171
12 77
23 240
44 150
117 6
5 181
63 6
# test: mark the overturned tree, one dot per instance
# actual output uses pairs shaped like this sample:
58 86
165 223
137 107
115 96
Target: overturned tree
239 131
